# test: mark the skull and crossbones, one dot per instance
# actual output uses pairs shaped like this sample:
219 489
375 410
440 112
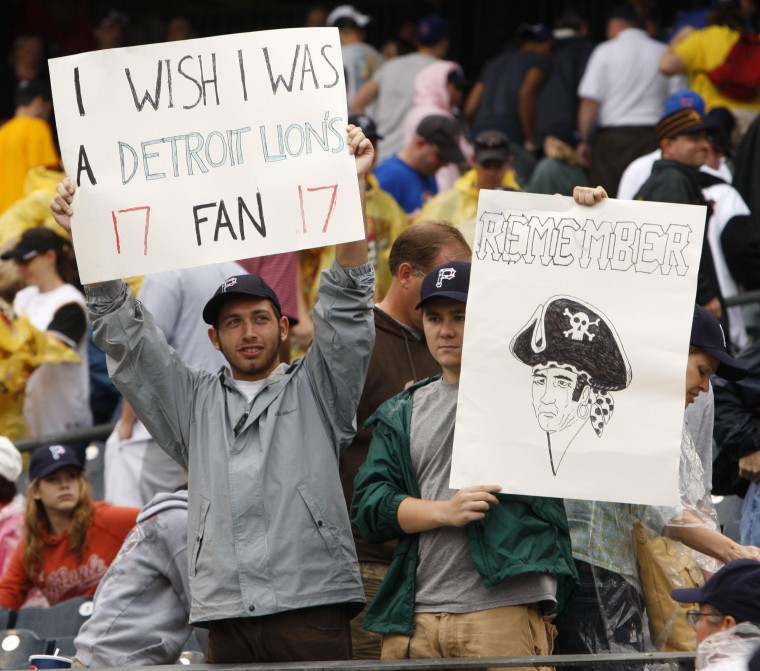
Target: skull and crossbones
579 323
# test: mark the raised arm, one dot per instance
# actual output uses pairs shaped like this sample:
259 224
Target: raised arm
527 99
350 254
364 96
587 113
671 63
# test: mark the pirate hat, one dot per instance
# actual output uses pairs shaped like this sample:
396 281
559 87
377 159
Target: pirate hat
567 331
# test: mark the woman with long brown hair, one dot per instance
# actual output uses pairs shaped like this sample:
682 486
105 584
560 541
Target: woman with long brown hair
69 540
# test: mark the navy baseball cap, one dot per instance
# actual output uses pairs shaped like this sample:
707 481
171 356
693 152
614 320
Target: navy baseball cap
707 334
451 280
734 590
47 460
431 29
534 32
239 286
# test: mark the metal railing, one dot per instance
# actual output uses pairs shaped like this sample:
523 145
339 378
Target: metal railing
91 434
743 298
684 661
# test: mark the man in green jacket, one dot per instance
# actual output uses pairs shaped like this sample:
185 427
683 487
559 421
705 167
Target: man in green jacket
476 573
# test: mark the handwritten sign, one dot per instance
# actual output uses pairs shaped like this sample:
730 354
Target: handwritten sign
576 340
208 150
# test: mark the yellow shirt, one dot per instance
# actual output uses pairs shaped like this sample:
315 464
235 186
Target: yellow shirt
704 50
25 142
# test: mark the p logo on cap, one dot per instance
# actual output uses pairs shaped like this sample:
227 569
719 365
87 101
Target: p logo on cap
445 274
56 451
228 283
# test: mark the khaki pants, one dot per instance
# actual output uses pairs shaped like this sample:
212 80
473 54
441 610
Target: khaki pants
366 644
509 631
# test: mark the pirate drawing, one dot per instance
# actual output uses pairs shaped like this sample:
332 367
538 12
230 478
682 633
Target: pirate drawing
576 359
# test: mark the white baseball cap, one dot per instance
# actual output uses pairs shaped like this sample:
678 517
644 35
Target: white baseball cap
10 460
347 12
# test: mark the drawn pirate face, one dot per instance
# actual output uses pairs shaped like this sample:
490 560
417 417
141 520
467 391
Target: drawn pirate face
576 360
558 399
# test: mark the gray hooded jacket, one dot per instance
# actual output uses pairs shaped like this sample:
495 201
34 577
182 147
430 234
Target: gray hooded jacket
141 609
268 529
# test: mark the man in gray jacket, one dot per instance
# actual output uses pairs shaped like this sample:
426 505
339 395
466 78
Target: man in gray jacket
142 604
272 564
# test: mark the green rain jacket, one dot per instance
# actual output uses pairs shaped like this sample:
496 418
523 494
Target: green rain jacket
525 534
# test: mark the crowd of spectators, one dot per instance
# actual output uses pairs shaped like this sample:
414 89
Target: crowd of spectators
313 471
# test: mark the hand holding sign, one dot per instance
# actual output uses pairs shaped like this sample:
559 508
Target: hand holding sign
362 149
588 195
60 206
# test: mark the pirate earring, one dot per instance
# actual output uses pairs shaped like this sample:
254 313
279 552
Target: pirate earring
583 410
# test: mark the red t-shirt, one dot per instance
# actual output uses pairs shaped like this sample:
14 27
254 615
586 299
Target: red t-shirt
61 575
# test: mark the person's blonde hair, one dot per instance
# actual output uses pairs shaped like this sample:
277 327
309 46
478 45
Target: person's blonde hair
36 517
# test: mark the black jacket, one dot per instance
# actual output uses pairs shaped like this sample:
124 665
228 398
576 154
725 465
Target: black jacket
674 182
737 422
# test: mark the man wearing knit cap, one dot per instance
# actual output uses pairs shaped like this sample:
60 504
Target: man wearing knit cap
682 136
638 171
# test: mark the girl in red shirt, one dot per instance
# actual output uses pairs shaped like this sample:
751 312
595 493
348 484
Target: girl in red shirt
69 540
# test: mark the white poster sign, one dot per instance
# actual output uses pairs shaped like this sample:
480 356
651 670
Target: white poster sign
195 152
576 340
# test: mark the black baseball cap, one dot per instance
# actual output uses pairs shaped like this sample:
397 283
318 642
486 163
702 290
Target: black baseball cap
724 122
491 145
35 241
458 79
367 124
239 286
707 334
451 280
444 133
734 590
47 460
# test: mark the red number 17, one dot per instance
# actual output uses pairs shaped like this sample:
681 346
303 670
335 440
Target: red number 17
334 188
